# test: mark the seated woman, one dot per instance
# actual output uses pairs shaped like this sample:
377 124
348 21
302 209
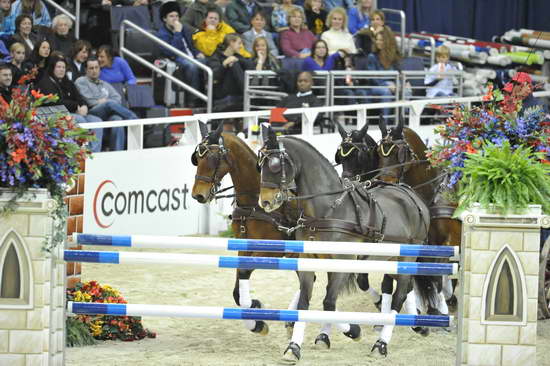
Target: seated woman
385 57
79 54
61 39
55 81
23 33
358 17
258 30
279 16
262 59
114 69
297 40
39 58
338 37
212 33
366 36
35 8
18 67
228 68
316 16
7 20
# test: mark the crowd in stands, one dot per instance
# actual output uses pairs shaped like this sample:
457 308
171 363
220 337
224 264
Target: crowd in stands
229 36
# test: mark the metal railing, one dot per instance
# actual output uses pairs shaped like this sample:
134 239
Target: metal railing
124 51
413 78
402 23
423 37
74 17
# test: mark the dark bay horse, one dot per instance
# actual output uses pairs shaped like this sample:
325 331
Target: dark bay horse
220 154
330 213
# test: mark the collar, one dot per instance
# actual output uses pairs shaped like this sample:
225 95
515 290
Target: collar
97 81
305 94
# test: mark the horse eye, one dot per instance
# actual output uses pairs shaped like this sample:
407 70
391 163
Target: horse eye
274 164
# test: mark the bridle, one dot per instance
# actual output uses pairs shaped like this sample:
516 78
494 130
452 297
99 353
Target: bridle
362 150
276 162
404 154
214 154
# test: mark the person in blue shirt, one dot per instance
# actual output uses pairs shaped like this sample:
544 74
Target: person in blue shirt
34 8
114 69
331 4
358 16
7 20
174 33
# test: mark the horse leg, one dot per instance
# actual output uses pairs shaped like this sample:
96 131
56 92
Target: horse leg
241 295
410 308
384 305
293 305
292 353
404 286
448 292
363 283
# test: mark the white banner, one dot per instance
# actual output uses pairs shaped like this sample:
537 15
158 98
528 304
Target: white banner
145 192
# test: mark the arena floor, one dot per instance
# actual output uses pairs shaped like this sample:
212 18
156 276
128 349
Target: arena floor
201 342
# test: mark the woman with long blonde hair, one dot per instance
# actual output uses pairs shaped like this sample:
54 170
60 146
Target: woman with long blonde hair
338 37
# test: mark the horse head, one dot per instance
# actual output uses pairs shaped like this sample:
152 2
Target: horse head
277 172
394 152
210 158
357 153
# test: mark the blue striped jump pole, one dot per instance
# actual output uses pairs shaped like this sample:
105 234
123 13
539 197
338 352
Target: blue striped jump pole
257 245
292 264
310 316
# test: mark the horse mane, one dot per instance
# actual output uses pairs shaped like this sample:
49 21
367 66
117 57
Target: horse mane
233 139
415 142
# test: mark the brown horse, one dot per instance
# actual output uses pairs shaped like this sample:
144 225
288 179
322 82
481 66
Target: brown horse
402 154
220 154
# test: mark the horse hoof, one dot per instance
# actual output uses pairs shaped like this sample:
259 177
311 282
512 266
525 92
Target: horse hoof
289 326
381 346
292 354
256 304
354 332
433 311
423 331
261 328
452 303
322 341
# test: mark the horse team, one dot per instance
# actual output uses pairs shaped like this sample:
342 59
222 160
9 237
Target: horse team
289 191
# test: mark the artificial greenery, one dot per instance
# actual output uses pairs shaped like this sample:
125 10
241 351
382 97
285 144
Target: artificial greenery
78 333
504 179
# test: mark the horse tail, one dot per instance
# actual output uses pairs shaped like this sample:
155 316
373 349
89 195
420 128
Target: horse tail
427 289
351 284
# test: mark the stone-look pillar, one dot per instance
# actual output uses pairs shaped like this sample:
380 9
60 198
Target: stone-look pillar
74 200
32 327
488 241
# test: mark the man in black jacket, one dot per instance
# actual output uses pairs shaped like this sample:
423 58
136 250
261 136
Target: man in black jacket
5 82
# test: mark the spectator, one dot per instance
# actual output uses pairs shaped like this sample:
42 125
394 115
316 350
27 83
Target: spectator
212 34
7 19
258 30
331 4
262 58
23 33
228 68
18 67
95 21
61 39
384 57
104 101
222 4
173 33
297 40
320 59
359 16
239 13
5 82
79 54
55 82
439 85
366 37
39 58
196 13
114 69
35 8
338 37
316 16
303 99
279 16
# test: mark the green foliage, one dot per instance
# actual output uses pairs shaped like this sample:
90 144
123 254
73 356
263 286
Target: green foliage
78 333
504 180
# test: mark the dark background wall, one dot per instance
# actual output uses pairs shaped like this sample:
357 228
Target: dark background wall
479 19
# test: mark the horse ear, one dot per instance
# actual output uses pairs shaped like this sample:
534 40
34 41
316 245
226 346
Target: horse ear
341 129
204 129
363 131
382 125
265 132
399 128
215 136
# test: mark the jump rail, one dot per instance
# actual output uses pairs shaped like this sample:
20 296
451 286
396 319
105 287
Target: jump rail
289 264
259 314
253 245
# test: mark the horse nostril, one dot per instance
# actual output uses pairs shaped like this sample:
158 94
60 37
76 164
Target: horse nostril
265 204
200 198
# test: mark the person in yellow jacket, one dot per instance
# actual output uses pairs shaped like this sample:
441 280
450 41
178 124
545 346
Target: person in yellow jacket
213 33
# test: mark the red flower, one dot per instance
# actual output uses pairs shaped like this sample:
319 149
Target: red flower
19 154
37 94
522 77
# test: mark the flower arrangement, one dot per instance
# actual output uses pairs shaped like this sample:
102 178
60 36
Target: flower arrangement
39 152
103 327
489 149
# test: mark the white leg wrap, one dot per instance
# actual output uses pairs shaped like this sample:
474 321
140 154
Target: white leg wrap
245 301
294 303
326 328
373 294
386 303
442 305
420 304
387 331
447 287
410 303
298 333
